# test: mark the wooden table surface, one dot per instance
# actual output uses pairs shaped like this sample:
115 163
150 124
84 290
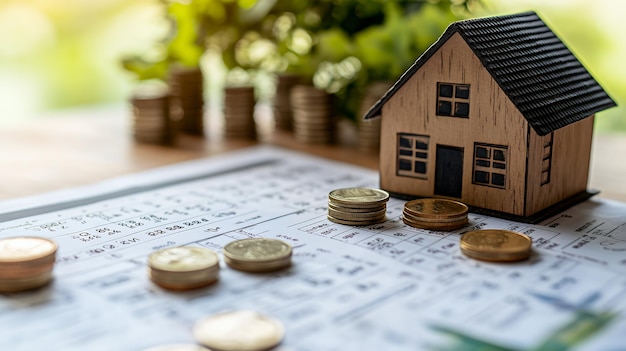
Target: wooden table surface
79 147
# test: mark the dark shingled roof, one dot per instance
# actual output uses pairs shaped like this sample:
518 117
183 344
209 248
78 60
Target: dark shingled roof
540 75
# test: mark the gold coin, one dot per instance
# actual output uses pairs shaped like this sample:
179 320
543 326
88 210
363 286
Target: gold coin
257 254
183 259
336 207
435 208
239 331
444 226
496 245
356 216
27 282
411 217
27 249
358 197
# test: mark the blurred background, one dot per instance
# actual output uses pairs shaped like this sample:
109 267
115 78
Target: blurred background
60 54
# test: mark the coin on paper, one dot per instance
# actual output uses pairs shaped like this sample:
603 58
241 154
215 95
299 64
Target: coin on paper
239 331
358 197
26 263
435 214
183 267
258 254
357 206
496 245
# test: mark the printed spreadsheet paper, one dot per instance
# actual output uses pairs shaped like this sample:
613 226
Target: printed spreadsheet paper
381 287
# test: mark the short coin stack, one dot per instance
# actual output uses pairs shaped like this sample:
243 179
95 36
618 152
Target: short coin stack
369 130
313 115
239 103
239 331
187 90
496 245
357 206
26 263
435 214
151 114
257 255
183 268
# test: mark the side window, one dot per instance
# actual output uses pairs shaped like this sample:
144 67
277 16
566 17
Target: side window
490 165
453 100
412 155
546 163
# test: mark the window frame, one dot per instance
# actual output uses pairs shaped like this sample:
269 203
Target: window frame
418 148
489 162
453 100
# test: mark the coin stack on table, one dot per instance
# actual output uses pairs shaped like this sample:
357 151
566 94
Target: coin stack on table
239 103
357 206
313 115
435 214
26 263
282 106
369 130
187 90
239 331
257 255
151 121
183 267
496 245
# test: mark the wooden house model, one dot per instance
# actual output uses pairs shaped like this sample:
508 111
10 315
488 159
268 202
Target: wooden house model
498 114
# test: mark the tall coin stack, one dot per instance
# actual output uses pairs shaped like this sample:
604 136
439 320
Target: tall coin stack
435 214
26 263
283 117
187 90
239 103
313 115
183 267
369 130
151 121
357 206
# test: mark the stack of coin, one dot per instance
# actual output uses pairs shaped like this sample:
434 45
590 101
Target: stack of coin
357 206
369 130
151 114
282 106
313 115
239 103
187 90
435 214
26 263
257 255
183 268
239 331
496 245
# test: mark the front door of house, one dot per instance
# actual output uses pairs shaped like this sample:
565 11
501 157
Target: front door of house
449 171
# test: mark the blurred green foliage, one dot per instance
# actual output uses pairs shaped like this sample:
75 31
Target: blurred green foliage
338 45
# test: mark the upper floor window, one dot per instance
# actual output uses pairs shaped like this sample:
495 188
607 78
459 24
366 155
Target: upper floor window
453 100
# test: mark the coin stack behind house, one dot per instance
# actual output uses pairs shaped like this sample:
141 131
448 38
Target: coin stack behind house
313 115
239 331
26 263
357 206
187 90
239 103
496 245
151 114
183 268
257 255
369 130
283 117
435 214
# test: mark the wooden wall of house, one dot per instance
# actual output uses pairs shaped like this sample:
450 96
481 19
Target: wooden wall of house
569 166
492 119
